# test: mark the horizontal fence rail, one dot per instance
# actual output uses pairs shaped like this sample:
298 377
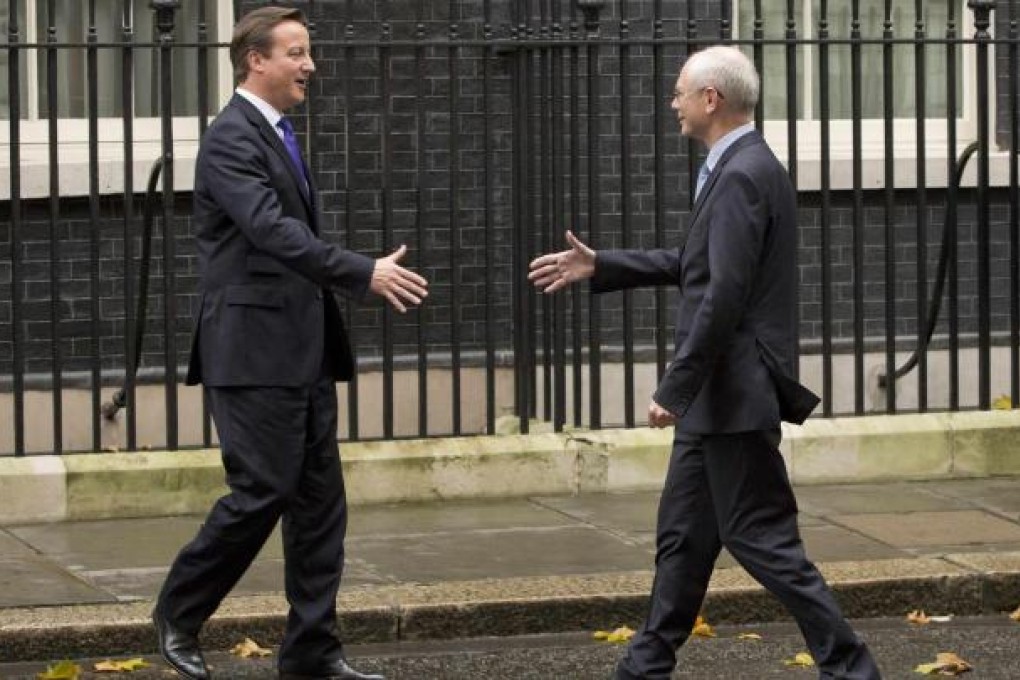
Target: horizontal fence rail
477 133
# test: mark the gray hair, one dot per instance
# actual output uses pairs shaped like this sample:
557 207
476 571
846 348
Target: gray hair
729 71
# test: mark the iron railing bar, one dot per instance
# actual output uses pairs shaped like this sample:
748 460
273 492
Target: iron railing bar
951 215
921 209
626 190
17 332
1014 209
169 245
91 77
659 98
52 105
825 225
981 24
347 79
386 210
203 124
489 173
453 68
556 151
890 208
857 238
422 212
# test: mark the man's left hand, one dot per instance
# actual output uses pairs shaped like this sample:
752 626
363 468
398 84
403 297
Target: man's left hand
659 417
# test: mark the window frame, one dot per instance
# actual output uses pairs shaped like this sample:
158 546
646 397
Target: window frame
73 133
904 129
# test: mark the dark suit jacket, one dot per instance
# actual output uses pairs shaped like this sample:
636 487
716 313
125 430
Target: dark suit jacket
267 316
736 273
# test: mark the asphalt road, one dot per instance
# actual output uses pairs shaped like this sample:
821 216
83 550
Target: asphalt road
990 644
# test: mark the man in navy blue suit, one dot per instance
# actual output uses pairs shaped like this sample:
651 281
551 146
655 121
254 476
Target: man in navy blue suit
730 381
269 346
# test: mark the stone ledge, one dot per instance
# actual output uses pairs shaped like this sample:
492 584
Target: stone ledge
865 449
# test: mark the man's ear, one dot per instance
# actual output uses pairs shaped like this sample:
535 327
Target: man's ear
254 59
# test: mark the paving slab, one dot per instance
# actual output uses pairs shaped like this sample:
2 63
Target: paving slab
450 517
623 512
33 580
999 495
500 554
828 543
847 499
931 529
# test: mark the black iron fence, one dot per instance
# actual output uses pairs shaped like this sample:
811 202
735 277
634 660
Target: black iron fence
477 132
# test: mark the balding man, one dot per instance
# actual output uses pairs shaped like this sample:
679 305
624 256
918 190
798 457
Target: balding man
730 382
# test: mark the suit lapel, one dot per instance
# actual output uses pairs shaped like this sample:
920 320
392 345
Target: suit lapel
747 140
271 138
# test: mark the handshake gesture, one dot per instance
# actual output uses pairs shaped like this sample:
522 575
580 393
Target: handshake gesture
553 271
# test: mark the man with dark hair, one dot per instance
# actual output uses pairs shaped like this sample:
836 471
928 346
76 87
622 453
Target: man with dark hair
269 346
730 381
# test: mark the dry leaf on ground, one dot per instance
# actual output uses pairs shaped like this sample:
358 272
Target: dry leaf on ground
1015 615
919 617
946 663
62 670
249 648
121 665
621 634
749 636
802 660
1002 403
702 629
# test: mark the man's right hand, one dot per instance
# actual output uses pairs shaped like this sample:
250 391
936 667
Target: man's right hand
553 271
402 287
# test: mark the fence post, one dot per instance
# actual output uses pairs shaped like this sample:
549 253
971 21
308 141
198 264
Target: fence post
982 10
164 10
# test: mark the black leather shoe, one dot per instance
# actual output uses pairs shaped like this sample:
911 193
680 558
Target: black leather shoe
179 649
339 670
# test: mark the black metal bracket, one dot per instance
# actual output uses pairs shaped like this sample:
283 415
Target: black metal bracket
165 15
591 10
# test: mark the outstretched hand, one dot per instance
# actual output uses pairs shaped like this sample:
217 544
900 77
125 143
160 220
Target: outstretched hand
400 286
553 271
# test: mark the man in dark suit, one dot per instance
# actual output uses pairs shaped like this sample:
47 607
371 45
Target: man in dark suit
729 383
269 346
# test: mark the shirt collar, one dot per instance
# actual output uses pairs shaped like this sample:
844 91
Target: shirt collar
264 107
725 142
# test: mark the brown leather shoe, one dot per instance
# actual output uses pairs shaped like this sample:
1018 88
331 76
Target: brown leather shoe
179 649
338 670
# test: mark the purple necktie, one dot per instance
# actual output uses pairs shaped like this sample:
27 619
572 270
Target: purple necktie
293 149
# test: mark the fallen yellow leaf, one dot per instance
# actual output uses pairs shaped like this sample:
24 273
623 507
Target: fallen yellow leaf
946 663
249 648
120 666
702 629
1015 615
621 634
919 617
749 636
62 670
1003 403
801 660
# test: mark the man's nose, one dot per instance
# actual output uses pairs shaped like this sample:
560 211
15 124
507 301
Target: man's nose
310 65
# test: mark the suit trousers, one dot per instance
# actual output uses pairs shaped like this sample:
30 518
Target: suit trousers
733 490
280 453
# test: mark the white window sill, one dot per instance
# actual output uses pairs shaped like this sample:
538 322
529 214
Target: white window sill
74 168
841 160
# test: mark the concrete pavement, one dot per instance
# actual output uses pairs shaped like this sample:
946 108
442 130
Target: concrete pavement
447 569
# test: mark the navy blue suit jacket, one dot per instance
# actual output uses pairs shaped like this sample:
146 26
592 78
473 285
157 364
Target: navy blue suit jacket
267 316
735 325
